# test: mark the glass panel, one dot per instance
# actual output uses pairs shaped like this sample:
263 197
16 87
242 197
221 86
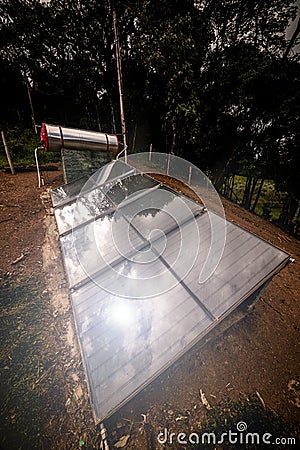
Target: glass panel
86 207
126 342
97 245
187 249
246 261
67 191
158 212
139 296
122 189
110 173
181 170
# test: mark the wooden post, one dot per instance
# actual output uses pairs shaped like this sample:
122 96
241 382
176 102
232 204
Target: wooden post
190 175
134 137
31 106
7 153
168 163
114 129
119 67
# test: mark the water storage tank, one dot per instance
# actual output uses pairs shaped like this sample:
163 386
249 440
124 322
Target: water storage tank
55 138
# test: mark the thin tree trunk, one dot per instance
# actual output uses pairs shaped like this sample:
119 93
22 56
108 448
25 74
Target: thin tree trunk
246 192
232 186
174 141
134 137
254 183
284 211
223 187
295 217
120 82
257 195
7 153
113 119
226 187
98 118
31 107
219 178
292 40
247 197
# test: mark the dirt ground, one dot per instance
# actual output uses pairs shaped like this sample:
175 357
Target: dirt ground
255 360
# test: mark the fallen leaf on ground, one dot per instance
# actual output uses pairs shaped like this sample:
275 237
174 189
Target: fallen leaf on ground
19 259
204 400
122 441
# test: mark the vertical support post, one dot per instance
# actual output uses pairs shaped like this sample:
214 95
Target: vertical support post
114 129
37 166
98 118
150 152
31 106
168 165
134 137
7 153
63 164
119 68
190 174
104 443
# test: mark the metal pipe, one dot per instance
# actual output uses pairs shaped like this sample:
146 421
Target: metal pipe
122 151
55 138
37 165
104 443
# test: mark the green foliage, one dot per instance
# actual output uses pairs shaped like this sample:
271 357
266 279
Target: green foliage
21 143
172 39
208 80
270 197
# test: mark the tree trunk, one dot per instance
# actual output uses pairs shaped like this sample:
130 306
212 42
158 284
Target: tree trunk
247 192
120 82
232 186
292 40
284 215
114 128
218 181
134 137
31 106
227 186
295 217
257 195
254 183
174 140
7 153
98 117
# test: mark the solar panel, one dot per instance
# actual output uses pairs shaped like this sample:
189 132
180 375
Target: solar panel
134 252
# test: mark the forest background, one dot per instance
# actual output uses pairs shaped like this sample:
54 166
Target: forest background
215 82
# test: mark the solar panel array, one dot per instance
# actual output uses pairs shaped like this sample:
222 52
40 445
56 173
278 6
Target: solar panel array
133 250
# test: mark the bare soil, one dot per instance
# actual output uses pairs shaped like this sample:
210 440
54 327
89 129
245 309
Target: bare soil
254 360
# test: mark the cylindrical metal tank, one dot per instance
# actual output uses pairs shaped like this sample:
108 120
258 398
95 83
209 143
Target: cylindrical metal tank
55 138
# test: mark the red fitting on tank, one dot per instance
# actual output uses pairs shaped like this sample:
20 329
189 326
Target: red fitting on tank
44 136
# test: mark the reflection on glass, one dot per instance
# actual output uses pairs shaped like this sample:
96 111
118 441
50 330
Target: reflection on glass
122 313
142 245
